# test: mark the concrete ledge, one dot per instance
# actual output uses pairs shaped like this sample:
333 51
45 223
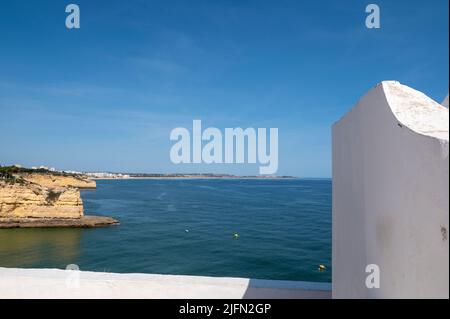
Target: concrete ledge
61 284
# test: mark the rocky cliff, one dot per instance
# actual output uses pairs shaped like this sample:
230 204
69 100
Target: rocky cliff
25 200
44 199
52 181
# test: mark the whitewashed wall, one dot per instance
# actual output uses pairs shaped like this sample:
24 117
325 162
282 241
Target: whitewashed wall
391 195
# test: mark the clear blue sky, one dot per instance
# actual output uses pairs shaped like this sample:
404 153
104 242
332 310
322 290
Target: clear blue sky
105 97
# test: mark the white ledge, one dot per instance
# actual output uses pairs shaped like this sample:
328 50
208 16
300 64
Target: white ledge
61 284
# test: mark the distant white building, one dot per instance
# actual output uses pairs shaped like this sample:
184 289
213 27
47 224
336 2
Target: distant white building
107 175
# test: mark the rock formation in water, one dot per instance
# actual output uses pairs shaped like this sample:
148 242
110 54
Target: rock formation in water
25 199
44 199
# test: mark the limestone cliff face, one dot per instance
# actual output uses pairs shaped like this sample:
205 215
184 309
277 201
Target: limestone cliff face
26 200
52 181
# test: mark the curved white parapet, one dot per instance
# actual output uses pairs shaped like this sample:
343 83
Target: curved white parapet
74 284
391 195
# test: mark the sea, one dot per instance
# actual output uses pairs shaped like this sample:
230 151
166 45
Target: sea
253 228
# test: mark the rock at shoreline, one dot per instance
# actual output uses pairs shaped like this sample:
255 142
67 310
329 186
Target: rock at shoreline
44 199
83 222
24 200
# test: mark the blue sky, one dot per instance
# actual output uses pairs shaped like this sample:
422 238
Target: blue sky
105 97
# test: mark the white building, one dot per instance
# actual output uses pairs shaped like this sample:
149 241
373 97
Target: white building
391 196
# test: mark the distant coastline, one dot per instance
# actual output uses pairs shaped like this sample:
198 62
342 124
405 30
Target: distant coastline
183 176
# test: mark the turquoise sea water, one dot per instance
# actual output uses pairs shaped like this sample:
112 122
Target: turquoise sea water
188 226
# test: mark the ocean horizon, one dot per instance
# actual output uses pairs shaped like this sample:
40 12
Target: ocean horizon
251 228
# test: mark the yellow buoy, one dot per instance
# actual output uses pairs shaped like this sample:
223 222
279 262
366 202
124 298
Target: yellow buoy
322 267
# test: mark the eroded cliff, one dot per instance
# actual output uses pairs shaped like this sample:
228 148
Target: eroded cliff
52 181
30 198
25 200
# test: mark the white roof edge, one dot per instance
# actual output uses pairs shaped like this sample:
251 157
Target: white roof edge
416 111
412 109
354 106
56 283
